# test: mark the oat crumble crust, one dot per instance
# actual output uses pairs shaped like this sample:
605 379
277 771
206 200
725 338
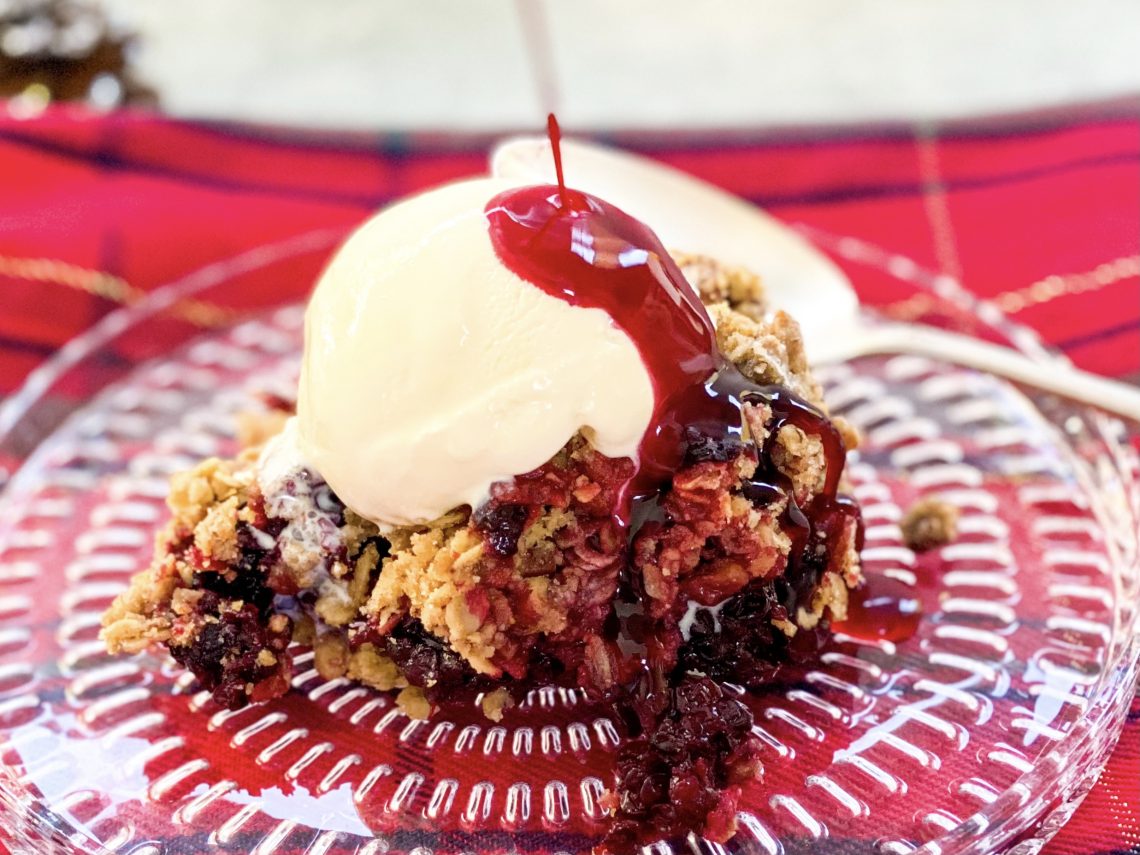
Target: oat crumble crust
558 574
767 347
929 523
740 288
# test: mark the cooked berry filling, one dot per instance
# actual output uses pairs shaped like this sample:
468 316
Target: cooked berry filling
426 661
502 524
233 648
702 448
742 641
245 581
683 772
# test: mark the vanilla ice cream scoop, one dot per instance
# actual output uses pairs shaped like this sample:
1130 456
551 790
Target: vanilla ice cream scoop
432 371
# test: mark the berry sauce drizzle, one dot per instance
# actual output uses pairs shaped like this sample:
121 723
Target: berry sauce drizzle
555 134
589 253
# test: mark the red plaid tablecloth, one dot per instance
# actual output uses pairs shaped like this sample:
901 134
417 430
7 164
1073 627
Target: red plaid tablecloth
1040 214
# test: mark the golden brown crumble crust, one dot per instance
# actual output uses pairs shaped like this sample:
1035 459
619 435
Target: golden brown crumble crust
204 507
929 523
739 288
206 503
767 347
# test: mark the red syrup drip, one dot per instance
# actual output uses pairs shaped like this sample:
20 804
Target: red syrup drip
882 608
589 253
555 134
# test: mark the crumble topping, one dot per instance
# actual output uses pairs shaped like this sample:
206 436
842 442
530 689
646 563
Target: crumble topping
436 578
929 523
134 622
739 288
368 665
222 566
530 564
800 457
769 351
413 703
493 703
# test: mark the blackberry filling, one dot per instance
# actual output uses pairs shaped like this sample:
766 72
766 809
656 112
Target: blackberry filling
427 662
685 772
501 525
234 648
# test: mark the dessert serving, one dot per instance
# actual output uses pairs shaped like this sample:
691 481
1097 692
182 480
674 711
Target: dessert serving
529 446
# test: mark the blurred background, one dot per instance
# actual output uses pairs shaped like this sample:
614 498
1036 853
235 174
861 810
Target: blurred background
494 64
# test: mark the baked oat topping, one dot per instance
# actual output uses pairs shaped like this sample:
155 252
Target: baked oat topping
929 523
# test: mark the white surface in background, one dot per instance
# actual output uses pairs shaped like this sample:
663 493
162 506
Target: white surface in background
463 63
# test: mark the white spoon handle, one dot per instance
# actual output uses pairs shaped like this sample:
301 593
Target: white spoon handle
1055 377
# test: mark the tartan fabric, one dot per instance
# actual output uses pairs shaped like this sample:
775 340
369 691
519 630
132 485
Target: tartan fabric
1039 213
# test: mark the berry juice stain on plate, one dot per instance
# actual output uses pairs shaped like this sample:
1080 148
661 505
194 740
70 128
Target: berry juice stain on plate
884 608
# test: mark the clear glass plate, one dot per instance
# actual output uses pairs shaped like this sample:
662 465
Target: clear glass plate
979 733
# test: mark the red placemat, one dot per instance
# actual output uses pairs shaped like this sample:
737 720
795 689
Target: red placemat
1039 213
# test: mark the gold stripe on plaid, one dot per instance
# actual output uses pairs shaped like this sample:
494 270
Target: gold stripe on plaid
1054 286
107 286
935 202
912 308
1042 291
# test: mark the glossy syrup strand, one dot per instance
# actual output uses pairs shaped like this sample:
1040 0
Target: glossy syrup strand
822 520
589 253
555 134
584 251
828 511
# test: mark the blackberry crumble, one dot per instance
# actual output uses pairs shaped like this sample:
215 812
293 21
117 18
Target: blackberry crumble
737 566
